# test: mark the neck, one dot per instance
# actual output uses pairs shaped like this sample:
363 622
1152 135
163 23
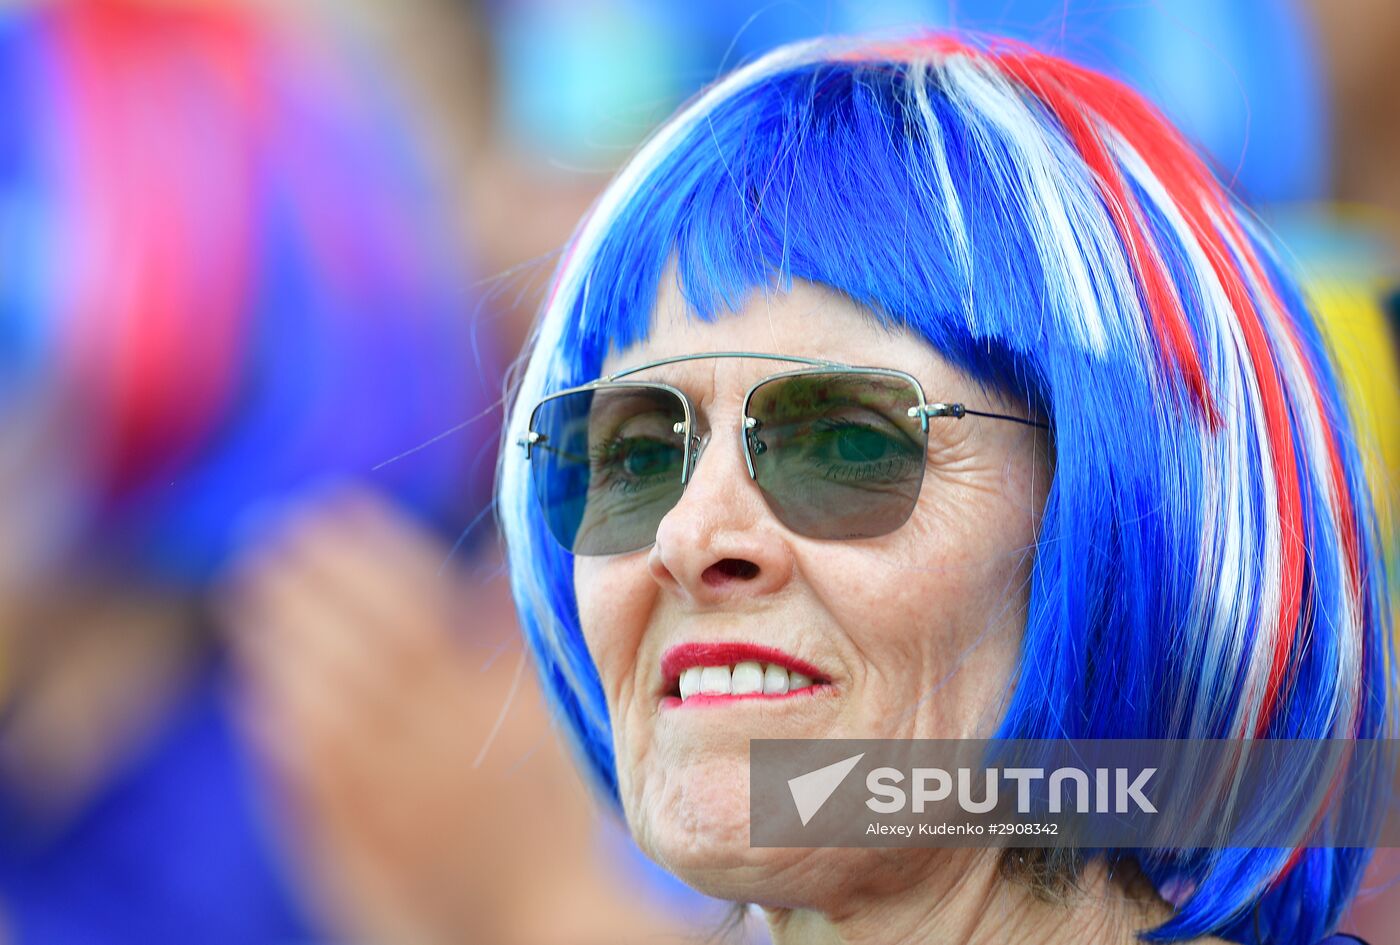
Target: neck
965 900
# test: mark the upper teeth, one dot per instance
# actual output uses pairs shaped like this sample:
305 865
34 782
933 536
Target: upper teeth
749 676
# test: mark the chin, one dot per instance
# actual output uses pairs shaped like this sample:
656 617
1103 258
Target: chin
693 820
693 816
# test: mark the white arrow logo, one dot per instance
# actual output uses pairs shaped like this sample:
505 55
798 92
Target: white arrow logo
811 790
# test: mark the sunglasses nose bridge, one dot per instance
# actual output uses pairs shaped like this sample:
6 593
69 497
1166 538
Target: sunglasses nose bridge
748 434
699 443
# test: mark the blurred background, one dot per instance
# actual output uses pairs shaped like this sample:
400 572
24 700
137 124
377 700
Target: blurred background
264 267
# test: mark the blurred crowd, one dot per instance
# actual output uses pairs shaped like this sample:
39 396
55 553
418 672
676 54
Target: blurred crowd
264 267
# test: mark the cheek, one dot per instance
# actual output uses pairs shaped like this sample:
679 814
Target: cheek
974 540
670 803
934 615
615 598
944 571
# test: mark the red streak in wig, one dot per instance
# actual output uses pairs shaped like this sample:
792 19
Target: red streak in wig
1082 100
1196 192
1079 98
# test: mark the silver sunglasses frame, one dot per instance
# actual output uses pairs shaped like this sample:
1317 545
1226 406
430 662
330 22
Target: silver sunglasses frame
749 424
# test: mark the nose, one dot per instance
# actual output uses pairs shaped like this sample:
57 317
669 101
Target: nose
720 544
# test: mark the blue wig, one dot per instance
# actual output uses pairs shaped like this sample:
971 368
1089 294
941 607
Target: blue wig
1207 565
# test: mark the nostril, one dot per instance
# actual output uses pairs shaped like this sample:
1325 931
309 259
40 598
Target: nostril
730 569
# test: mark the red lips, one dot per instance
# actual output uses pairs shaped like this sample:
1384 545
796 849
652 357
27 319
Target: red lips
682 657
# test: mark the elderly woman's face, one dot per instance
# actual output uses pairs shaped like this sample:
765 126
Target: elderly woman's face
913 634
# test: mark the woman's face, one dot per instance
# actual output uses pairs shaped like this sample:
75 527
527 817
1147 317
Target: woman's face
913 634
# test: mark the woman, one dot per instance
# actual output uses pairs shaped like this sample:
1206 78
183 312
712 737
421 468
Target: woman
1123 500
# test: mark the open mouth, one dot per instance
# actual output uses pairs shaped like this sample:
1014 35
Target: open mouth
697 673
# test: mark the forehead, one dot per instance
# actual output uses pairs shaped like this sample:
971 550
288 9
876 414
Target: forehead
811 321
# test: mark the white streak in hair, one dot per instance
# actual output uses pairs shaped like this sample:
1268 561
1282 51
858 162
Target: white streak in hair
920 76
1063 209
1312 427
1227 576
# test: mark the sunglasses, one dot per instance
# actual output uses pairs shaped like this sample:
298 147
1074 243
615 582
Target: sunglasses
838 451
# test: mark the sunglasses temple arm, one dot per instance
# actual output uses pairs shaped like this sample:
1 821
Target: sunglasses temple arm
1002 416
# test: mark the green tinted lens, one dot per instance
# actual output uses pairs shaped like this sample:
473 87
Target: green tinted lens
837 454
607 466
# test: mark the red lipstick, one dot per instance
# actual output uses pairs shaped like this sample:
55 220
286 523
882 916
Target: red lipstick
679 658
